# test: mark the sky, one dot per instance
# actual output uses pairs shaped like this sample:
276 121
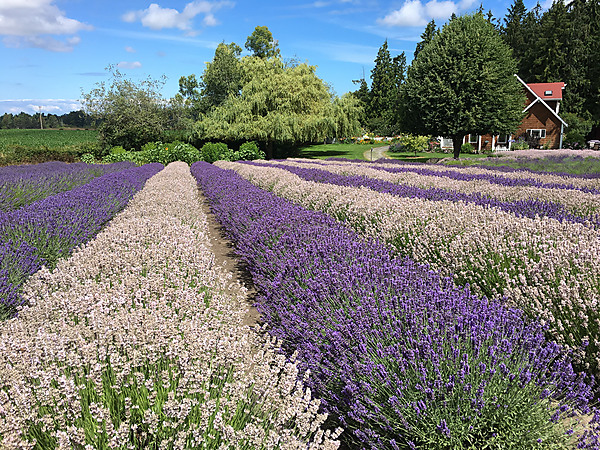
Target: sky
52 51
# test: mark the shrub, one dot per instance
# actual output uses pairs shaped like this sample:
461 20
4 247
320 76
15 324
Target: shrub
88 158
521 144
248 151
579 128
411 143
467 148
211 152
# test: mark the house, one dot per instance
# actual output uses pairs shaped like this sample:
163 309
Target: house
541 120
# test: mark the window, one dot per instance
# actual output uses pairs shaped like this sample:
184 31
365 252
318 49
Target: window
502 139
547 92
537 133
473 139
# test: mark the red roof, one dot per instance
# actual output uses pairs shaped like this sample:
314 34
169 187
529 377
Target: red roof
548 91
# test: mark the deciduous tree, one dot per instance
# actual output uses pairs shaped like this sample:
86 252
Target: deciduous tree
279 104
131 113
463 82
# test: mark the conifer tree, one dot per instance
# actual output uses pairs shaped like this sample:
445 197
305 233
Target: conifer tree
427 35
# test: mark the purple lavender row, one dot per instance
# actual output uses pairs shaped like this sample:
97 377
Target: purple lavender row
400 356
40 233
522 208
22 185
461 175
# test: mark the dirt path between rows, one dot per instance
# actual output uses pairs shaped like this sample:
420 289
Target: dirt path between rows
225 257
376 153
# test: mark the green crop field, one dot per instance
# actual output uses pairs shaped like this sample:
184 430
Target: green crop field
33 146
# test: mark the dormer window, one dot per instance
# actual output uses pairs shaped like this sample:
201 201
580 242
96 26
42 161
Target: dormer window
547 92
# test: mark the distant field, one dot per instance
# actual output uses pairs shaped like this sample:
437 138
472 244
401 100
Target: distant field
34 146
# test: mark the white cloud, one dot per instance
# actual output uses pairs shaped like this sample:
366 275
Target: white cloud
27 23
156 17
129 65
129 49
415 13
49 105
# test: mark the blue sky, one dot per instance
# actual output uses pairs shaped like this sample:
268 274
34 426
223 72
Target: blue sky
52 50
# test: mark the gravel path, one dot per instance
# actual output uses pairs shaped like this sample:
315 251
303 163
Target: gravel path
375 153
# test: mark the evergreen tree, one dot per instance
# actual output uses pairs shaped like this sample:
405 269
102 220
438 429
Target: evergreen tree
383 92
451 91
513 31
427 35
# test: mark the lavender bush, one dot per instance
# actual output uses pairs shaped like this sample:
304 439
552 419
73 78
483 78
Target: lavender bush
137 341
548 268
528 207
578 196
401 357
48 229
22 185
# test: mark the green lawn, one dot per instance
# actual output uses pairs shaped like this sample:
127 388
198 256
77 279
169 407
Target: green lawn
357 151
323 151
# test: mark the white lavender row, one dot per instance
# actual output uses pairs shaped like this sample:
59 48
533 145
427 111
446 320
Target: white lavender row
583 202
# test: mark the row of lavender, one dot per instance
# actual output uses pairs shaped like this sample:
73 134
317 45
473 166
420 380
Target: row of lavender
22 185
547 266
45 230
137 341
401 357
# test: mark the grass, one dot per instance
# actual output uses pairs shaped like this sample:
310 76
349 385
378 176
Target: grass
323 151
357 151
35 146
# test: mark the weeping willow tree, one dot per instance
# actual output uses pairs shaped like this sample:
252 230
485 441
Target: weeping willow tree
279 104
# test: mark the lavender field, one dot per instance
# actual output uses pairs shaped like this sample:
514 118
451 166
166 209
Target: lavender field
402 306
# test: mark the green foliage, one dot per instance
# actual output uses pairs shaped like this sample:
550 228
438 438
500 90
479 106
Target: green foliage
262 44
131 113
211 152
467 148
578 129
520 144
248 151
279 104
163 153
36 146
88 158
142 401
462 82
411 143
426 37
222 77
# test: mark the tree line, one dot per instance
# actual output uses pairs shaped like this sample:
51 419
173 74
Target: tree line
460 81
73 119
560 44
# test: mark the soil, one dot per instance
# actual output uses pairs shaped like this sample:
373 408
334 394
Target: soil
225 257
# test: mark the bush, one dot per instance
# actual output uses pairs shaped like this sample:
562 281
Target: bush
467 148
88 158
211 152
579 128
411 143
248 151
521 144
170 152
